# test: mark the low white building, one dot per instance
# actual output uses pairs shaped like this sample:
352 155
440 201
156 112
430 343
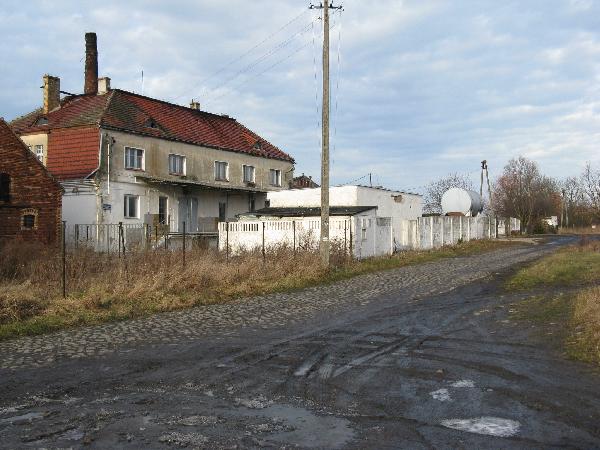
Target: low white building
355 229
395 205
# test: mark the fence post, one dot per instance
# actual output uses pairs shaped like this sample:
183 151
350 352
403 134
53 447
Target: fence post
64 259
294 234
431 230
451 230
147 235
107 239
226 240
345 238
76 236
351 250
263 242
183 246
119 236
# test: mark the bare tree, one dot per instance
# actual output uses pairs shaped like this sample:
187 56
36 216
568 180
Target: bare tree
435 190
523 192
590 184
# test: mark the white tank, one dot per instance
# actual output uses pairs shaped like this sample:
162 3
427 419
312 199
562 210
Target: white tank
462 201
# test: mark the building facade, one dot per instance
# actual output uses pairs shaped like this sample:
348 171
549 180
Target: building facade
125 157
30 198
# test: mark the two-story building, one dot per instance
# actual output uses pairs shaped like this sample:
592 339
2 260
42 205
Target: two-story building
125 157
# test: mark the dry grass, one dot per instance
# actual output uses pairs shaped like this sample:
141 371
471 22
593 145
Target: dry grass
579 230
585 342
104 288
575 316
570 266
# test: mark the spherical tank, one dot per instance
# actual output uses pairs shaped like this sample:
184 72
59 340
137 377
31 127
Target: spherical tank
461 201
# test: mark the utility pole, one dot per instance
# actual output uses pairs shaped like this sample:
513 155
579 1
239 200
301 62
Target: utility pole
324 243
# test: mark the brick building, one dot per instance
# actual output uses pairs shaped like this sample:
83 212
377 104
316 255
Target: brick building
30 198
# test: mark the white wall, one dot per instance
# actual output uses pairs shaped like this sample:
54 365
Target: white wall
434 232
79 208
365 235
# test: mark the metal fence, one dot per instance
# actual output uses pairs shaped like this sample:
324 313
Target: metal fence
121 237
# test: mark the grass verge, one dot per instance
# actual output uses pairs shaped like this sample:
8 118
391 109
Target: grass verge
103 288
572 317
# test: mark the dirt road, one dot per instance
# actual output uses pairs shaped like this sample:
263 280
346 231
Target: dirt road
418 357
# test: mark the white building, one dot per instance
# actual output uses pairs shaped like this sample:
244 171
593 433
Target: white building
396 205
126 158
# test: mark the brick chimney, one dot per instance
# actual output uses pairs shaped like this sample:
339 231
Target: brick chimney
195 105
91 64
51 93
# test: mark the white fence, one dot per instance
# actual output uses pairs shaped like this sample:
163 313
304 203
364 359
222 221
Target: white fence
360 236
437 231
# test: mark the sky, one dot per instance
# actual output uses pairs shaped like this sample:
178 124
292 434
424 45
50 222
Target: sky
419 88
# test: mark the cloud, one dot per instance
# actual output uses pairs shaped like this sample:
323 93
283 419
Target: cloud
426 87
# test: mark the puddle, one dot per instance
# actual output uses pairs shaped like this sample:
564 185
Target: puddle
463 384
491 426
23 418
441 394
305 429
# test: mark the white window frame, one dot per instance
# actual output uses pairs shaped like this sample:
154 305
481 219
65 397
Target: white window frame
277 180
183 164
126 206
143 160
253 171
39 152
217 178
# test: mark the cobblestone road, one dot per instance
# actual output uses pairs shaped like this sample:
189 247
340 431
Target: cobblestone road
269 311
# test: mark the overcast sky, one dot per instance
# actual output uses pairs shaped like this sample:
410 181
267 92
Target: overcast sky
422 88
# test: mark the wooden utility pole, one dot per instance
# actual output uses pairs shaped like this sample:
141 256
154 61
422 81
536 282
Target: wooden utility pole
324 243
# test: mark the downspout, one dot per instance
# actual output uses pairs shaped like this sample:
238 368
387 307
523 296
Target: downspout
98 193
107 165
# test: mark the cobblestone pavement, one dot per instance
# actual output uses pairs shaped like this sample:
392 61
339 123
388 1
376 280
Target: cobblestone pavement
269 311
420 357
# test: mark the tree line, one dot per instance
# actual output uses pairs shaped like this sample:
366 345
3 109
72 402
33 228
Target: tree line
524 192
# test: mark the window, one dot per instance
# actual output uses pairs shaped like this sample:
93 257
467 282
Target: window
162 210
132 203
39 152
248 174
29 219
275 177
221 171
4 187
176 164
134 158
222 211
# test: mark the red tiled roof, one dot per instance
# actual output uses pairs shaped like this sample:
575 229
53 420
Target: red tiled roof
126 111
73 152
75 111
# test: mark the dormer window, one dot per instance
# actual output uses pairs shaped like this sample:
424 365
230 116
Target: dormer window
151 123
42 121
258 145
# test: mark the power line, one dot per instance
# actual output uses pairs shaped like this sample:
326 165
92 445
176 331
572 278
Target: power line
283 44
261 73
234 60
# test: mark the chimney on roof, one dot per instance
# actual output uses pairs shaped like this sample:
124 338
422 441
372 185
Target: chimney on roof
91 64
51 93
103 85
195 105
